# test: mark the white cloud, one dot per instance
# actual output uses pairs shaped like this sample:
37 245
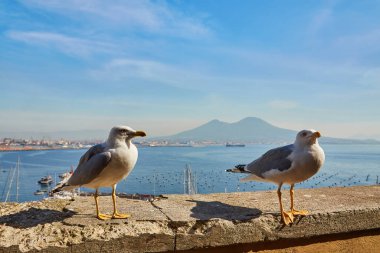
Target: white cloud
67 44
123 69
179 76
150 16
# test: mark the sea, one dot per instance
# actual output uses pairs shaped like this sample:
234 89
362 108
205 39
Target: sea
162 170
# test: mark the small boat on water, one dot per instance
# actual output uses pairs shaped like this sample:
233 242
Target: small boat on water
66 174
235 144
39 192
45 180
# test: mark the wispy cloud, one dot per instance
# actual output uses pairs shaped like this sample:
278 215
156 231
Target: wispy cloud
124 68
290 76
190 78
367 41
319 20
150 16
64 43
322 18
267 65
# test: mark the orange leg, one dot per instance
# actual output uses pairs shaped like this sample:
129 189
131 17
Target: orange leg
287 217
99 215
292 210
115 214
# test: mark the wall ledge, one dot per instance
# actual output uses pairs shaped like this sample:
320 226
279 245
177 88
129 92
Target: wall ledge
184 222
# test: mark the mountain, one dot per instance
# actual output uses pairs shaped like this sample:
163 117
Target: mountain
247 130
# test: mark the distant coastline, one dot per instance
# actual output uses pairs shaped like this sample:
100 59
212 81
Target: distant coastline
12 144
9 149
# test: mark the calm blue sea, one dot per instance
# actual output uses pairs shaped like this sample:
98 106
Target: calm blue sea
160 170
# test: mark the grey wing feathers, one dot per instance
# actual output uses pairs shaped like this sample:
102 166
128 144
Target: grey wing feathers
99 148
273 159
90 165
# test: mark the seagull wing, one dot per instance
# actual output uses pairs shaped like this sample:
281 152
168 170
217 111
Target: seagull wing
277 158
90 165
94 150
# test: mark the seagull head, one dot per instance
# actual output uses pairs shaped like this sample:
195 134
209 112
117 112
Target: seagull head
124 133
307 137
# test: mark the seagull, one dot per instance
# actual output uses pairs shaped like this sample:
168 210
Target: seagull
104 165
287 165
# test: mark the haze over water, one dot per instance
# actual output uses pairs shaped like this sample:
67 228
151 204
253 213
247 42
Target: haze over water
160 170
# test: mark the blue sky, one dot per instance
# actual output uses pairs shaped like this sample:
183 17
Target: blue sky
167 66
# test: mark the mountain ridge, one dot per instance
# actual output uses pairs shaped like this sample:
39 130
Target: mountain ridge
249 130
246 130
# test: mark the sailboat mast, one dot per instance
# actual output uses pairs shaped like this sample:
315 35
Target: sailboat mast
17 178
10 184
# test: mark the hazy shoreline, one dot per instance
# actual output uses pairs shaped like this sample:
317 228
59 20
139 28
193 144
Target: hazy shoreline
39 149
159 146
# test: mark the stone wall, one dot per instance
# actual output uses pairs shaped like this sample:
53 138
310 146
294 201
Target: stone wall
248 221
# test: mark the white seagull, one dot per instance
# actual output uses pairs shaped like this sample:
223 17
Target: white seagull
287 165
105 164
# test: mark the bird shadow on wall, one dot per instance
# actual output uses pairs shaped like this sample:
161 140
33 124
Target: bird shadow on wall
206 210
33 217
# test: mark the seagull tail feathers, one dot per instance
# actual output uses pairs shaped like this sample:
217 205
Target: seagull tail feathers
240 168
63 187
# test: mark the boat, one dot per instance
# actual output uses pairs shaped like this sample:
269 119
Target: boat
39 192
235 145
45 180
66 174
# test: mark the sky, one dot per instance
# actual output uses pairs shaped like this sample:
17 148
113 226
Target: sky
169 66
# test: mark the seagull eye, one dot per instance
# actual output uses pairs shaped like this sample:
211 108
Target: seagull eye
303 134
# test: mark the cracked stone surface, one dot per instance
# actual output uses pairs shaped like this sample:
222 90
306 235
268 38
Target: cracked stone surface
180 222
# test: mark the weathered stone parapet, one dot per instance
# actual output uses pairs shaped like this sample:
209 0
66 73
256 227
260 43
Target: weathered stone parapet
183 222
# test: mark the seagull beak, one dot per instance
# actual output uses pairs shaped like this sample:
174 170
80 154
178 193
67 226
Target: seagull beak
317 134
139 133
